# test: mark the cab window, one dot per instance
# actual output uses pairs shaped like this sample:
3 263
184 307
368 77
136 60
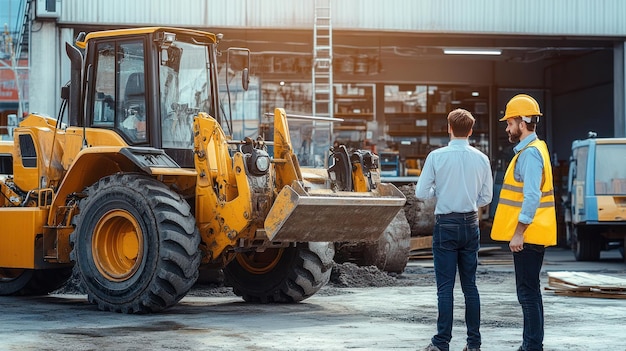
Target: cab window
120 89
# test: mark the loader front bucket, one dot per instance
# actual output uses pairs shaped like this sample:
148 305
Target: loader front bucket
324 215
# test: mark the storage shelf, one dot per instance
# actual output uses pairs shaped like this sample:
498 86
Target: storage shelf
415 119
407 114
366 116
353 98
405 133
439 134
354 128
354 101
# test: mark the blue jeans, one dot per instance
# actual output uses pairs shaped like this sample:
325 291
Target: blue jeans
456 240
527 268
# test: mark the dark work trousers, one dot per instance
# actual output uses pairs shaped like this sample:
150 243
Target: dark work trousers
527 268
456 239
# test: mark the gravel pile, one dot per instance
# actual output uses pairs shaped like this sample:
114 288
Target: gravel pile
345 275
349 275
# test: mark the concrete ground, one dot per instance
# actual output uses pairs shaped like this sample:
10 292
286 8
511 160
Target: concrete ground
400 315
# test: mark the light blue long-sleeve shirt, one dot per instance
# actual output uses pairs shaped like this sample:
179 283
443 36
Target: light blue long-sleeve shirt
529 169
459 176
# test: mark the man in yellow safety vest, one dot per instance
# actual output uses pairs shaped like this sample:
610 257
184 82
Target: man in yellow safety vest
526 215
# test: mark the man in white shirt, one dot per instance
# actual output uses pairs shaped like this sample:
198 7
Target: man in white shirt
459 177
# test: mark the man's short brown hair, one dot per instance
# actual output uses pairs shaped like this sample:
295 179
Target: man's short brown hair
461 122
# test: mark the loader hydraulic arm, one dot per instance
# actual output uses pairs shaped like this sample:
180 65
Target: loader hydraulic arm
223 194
286 163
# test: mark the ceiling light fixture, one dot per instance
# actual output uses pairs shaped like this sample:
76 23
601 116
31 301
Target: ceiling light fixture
471 51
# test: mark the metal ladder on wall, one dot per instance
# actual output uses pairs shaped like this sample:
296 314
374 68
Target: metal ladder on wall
322 72
322 60
23 39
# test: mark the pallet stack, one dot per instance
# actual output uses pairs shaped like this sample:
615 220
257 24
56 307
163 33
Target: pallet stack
582 284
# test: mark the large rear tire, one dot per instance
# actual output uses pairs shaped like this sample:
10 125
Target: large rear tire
25 282
135 244
282 275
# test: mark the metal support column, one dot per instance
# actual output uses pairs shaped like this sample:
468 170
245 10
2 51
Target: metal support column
619 89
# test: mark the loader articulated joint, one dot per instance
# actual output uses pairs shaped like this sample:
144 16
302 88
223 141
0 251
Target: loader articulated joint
340 172
257 158
368 162
352 170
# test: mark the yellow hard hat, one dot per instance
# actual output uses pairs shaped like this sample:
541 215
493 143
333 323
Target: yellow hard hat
521 105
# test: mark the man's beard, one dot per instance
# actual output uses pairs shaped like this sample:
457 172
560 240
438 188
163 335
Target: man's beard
514 137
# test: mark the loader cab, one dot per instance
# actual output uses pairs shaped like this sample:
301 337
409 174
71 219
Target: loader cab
147 85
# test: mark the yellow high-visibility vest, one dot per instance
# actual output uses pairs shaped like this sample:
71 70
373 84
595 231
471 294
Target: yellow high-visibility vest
542 230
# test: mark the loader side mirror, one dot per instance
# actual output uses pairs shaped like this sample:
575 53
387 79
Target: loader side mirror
164 56
65 92
239 59
76 80
245 79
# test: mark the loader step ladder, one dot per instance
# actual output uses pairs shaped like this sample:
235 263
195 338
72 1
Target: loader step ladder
322 76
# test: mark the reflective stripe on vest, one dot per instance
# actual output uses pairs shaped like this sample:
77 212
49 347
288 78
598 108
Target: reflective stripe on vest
544 201
542 231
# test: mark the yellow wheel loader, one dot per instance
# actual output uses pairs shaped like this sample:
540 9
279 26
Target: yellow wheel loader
136 185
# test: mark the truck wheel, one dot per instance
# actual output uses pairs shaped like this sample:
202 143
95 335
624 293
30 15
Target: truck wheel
289 274
569 233
135 244
17 281
584 248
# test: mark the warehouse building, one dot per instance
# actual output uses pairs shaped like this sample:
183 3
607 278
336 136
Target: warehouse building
397 66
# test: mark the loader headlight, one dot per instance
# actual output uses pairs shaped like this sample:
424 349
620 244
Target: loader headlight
258 162
263 163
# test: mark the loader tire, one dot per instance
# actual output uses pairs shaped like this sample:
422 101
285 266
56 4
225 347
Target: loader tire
135 244
28 282
391 252
282 275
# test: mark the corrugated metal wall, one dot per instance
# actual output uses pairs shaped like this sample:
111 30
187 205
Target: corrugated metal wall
576 17
529 17
191 13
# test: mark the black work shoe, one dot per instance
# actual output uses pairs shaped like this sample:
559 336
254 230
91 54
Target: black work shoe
431 347
471 348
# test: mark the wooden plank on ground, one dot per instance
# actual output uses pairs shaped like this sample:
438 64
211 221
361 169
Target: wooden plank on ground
583 284
421 256
484 262
590 294
421 242
488 250
584 279
421 248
